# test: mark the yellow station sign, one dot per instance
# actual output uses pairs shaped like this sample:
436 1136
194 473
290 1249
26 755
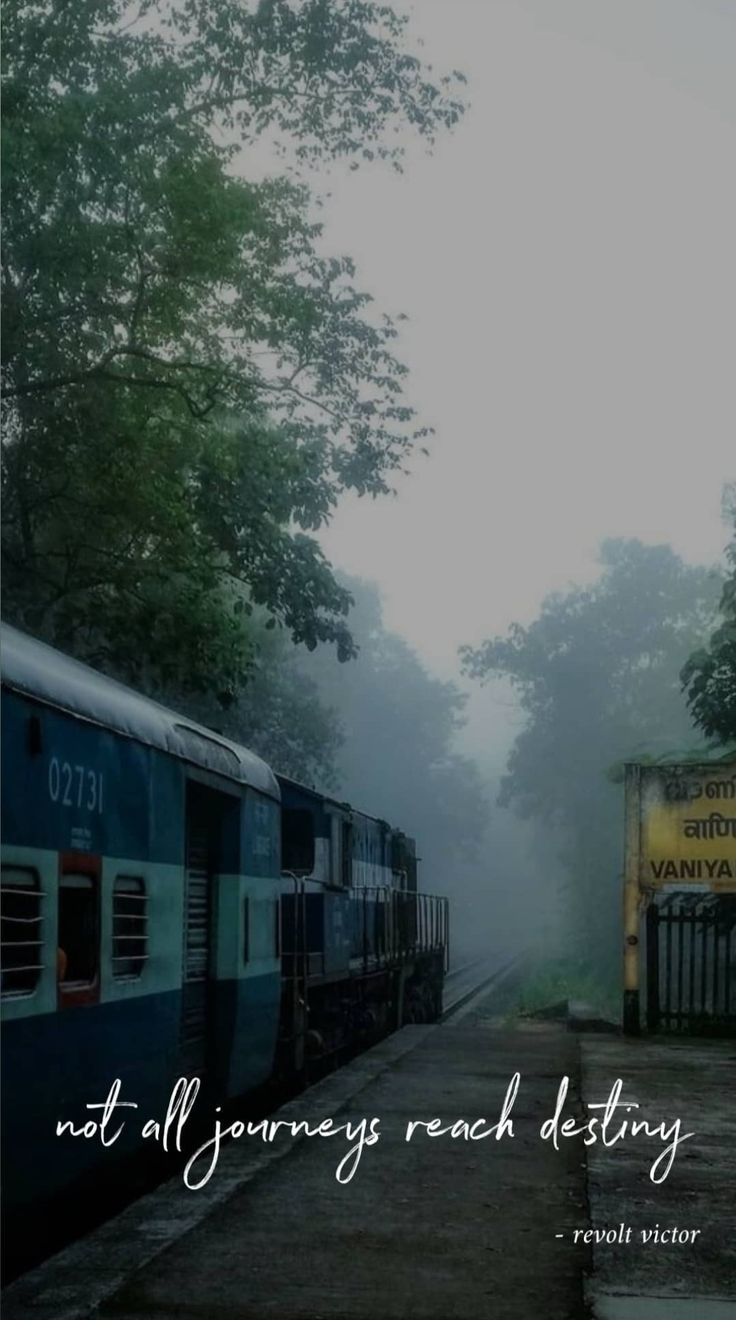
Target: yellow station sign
687 826
680 835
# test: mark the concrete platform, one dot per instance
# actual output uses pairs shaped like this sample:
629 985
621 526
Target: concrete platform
615 1307
437 1229
669 1078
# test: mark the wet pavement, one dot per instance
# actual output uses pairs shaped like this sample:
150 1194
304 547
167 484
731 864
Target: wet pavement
670 1079
437 1227
442 1226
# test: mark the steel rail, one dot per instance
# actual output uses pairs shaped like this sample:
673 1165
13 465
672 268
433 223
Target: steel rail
498 974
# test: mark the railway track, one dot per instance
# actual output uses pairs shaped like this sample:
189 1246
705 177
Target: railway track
465 984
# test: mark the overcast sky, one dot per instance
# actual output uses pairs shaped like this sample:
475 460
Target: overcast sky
567 261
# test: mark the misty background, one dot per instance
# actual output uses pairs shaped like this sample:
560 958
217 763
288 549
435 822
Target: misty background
519 601
566 261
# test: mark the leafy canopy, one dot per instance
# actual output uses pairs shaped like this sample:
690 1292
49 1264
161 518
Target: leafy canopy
709 677
189 381
399 758
597 677
280 714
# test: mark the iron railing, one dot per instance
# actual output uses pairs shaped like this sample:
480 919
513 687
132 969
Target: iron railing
386 927
390 925
691 964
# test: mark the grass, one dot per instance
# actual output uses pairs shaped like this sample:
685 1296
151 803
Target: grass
555 980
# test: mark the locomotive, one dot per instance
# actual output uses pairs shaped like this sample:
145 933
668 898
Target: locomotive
171 908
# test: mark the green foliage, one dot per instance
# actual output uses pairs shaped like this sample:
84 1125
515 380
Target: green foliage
398 758
279 713
597 676
709 677
378 732
189 381
556 980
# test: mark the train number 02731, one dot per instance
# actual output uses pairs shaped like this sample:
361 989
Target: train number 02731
75 785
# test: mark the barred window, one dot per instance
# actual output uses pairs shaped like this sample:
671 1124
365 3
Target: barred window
129 926
21 934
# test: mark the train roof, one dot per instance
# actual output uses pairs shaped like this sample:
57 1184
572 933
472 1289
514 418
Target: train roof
39 671
334 802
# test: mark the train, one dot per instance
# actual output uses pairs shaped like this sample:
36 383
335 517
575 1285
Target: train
172 908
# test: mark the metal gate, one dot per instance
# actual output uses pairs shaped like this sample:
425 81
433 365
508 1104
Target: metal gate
691 963
197 933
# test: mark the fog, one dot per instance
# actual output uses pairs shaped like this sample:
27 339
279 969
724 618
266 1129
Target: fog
526 599
565 259
566 262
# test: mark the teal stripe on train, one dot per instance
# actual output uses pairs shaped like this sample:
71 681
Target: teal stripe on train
81 1052
164 890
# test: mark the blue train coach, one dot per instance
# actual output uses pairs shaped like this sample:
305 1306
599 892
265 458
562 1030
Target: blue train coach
140 878
169 908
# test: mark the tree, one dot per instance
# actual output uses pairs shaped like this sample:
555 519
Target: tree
597 676
398 758
145 551
709 677
189 381
280 713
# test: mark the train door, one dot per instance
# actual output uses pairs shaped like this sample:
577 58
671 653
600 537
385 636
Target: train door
202 863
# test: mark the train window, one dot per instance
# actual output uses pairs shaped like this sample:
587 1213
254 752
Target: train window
77 929
246 929
129 926
297 841
21 935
